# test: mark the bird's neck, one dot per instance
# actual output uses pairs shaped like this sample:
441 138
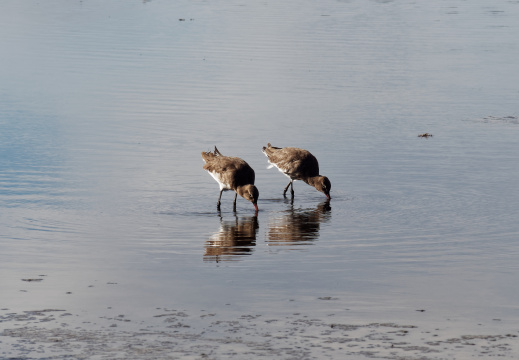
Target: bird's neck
312 180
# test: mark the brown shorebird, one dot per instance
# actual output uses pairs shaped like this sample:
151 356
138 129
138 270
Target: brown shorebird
231 173
297 164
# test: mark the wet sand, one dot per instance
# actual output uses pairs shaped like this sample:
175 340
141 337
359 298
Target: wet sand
180 334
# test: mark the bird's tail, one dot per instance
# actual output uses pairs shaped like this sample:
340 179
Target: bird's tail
207 155
217 152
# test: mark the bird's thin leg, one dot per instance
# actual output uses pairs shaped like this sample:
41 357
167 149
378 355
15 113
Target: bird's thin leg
286 188
292 189
234 203
219 198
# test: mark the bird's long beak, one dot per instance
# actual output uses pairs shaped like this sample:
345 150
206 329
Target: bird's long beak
255 207
328 196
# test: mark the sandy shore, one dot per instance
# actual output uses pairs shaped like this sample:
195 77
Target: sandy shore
179 334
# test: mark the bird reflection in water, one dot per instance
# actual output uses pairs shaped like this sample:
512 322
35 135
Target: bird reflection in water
234 239
298 226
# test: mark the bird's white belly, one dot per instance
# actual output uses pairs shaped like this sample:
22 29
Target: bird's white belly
283 171
218 179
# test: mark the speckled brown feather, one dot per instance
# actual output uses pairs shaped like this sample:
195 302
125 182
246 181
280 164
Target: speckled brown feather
296 163
232 171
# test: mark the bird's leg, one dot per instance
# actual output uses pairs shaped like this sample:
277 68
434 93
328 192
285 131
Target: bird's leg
219 198
286 188
292 189
234 203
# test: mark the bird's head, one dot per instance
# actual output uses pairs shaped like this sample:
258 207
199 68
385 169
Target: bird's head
323 185
251 193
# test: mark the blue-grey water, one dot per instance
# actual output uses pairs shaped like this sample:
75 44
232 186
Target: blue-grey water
105 210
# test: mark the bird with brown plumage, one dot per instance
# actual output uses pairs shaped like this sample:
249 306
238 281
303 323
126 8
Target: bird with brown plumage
231 173
297 164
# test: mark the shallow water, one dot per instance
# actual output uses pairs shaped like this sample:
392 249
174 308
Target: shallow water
105 207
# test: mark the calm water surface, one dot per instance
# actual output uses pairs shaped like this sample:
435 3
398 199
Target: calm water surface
106 106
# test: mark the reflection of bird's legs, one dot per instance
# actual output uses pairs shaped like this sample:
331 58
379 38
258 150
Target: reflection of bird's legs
291 188
219 198
234 203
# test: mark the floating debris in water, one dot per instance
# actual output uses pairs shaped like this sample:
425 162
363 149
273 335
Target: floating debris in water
29 280
425 135
510 119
